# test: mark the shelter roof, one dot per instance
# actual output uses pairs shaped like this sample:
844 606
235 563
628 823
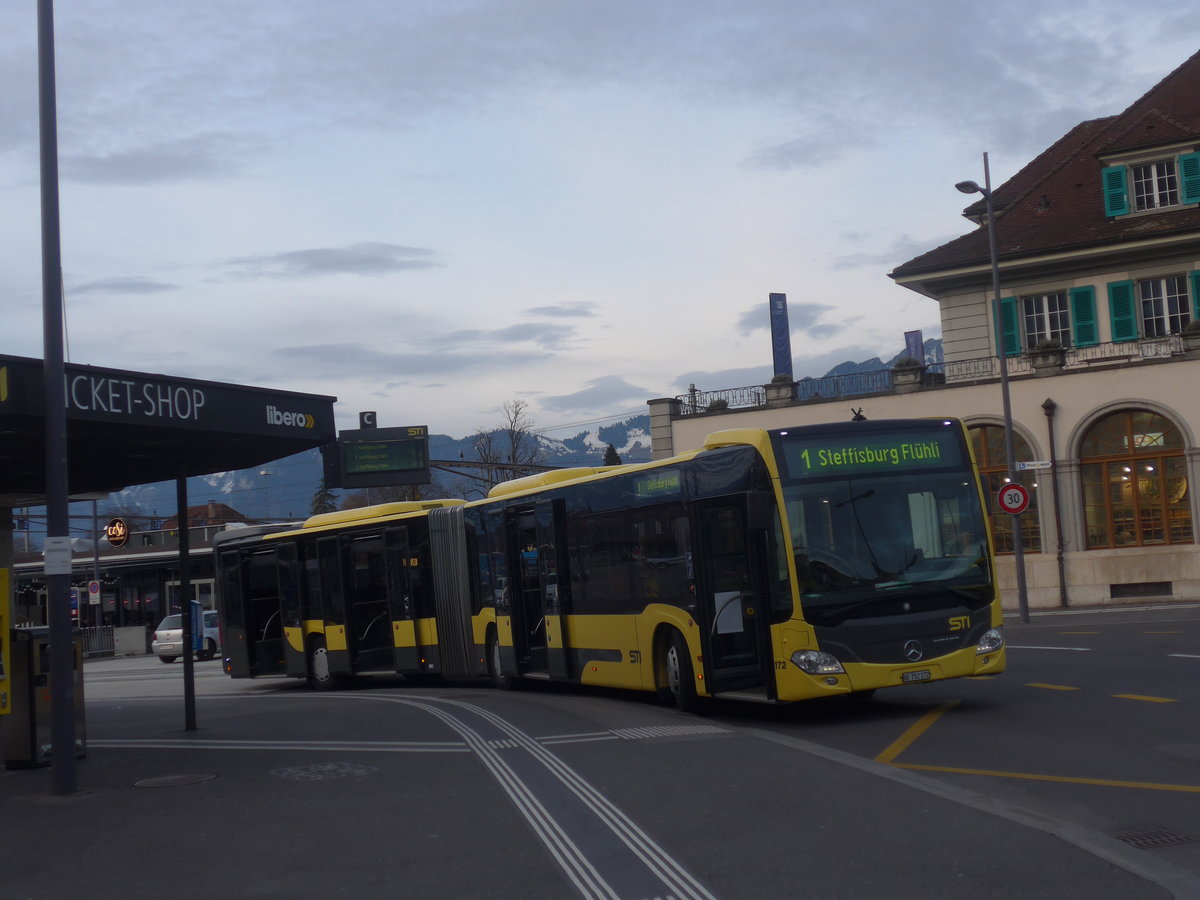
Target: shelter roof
128 428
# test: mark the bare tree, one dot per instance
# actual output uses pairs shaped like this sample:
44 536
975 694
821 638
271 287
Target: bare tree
523 447
505 450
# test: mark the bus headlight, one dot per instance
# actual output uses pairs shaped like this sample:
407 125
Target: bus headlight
817 662
992 640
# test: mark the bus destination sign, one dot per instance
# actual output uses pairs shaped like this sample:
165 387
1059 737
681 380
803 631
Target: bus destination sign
831 455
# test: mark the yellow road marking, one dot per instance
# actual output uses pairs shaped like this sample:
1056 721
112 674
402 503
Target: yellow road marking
1145 698
915 731
1101 782
1051 687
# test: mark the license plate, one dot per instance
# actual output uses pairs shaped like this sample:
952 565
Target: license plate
166 646
923 675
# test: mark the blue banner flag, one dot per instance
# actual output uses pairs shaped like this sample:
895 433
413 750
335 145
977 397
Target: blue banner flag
781 335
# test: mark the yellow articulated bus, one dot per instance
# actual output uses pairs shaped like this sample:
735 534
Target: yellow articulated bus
769 565
347 593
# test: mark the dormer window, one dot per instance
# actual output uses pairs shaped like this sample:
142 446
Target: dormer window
1156 184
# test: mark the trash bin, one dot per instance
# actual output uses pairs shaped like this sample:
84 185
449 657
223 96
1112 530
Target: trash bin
27 739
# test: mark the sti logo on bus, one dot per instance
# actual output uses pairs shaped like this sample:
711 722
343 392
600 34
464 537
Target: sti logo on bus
297 419
959 623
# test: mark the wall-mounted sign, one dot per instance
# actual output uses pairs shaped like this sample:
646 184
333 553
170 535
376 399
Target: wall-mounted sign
117 532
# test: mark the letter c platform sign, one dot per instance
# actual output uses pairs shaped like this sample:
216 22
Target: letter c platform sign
1013 499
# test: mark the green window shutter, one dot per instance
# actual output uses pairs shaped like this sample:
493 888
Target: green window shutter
1122 314
1195 308
1083 316
1189 177
1116 194
1008 339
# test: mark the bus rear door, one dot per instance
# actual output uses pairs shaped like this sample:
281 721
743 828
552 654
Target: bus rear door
407 651
554 585
291 597
527 612
335 641
253 626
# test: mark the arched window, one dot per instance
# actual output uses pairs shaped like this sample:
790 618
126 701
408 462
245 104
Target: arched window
988 442
1134 477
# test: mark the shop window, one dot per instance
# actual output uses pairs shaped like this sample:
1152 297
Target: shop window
988 443
1134 479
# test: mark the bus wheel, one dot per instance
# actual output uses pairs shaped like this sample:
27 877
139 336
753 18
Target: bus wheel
319 676
495 671
681 685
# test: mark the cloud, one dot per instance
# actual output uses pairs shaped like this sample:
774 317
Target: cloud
802 152
551 337
200 158
902 249
563 311
359 360
354 259
132 284
803 318
606 392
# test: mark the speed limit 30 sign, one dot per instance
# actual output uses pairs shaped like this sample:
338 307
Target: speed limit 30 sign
1013 499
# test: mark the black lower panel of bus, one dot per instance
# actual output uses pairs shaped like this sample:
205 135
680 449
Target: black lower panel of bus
891 639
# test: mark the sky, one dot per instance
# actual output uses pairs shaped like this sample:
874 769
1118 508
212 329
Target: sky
430 208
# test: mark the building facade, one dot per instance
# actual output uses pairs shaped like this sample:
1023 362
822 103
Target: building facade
1098 246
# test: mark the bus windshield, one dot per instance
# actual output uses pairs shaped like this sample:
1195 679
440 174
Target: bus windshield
884 538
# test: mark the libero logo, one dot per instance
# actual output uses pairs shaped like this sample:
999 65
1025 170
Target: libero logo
290 419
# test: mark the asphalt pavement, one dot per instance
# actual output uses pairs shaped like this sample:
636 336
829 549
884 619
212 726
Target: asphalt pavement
284 793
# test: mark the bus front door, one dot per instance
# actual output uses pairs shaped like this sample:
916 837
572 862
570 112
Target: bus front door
731 608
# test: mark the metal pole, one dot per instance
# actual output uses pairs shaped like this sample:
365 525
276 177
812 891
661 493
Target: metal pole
1009 453
185 603
96 564
58 582
1049 406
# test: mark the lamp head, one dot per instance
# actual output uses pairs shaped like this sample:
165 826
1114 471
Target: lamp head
969 187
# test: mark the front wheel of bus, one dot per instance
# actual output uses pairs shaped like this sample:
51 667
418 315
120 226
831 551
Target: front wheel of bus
319 676
496 672
681 685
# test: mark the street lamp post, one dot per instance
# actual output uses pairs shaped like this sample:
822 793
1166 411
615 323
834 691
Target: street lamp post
970 187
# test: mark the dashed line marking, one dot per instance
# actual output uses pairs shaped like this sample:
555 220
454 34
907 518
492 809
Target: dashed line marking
1051 687
1144 698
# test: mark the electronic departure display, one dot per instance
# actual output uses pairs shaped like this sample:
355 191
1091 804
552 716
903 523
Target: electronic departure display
377 457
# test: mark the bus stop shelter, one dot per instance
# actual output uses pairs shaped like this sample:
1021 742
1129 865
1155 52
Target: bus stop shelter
126 428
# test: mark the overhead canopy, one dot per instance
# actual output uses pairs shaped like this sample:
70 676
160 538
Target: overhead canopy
128 428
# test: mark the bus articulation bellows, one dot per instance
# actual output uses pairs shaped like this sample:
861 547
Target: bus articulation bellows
770 565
